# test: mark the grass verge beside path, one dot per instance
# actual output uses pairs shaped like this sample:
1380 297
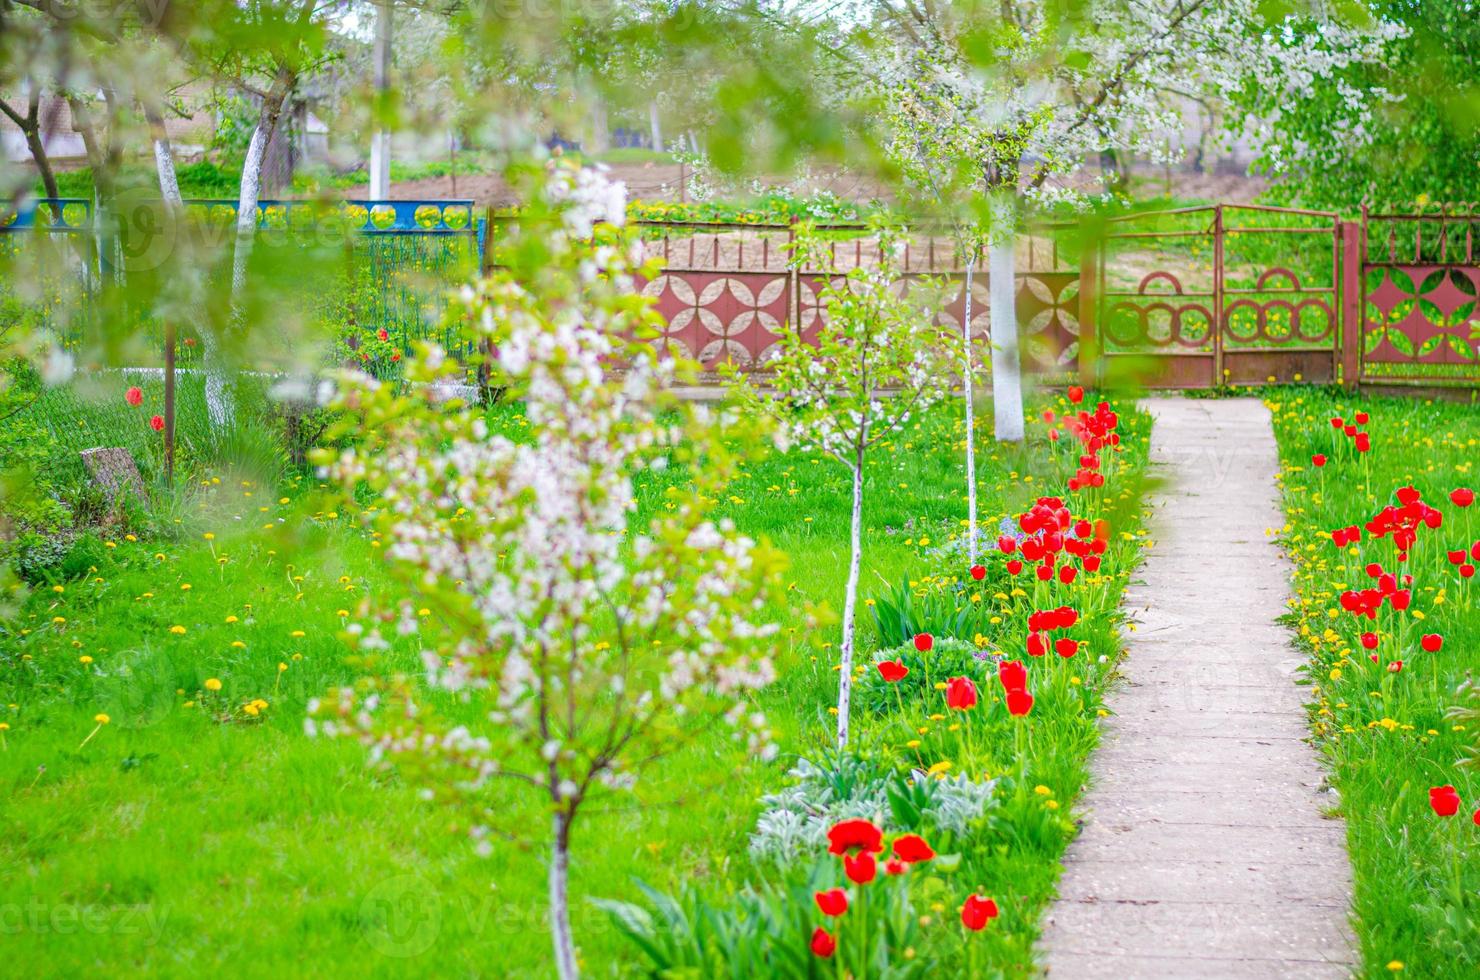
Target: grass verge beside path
191 833
1382 724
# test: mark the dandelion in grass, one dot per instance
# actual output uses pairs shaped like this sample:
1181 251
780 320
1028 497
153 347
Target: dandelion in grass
101 720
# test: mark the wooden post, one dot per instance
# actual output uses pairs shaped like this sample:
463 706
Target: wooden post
485 365
1089 314
1350 323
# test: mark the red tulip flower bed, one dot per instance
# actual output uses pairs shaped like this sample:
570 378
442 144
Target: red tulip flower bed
933 841
1385 533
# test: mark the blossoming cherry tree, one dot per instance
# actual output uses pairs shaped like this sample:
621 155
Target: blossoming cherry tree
566 644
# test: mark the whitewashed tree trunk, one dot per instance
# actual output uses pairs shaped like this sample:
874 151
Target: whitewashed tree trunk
850 603
380 141
220 401
970 413
1007 371
656 125
560 932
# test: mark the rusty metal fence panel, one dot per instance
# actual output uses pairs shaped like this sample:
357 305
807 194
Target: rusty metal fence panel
1416 297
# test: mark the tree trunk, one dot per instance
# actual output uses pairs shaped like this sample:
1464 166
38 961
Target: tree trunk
850 603
656 125
164 159
380 141
560 933
971 532
30 127
600 129
1007 372
220 400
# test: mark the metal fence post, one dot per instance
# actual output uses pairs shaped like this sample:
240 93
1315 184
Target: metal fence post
1089 315
1351 303
1218 296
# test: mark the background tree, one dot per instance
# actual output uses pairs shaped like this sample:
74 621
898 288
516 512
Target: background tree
1047 85
1422 144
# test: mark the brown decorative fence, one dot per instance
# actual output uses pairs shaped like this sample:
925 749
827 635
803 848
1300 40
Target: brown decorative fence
727 292
1187 298
1416 296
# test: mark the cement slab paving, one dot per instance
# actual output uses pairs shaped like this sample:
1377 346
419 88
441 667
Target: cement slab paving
1206 848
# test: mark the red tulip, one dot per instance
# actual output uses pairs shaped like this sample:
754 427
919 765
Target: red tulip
1092 563
823 944
1007 544
1067 573
157 423
134 396
1076 394
1014 567
383 334
1318 459
978 572
1402 599
1019 703
1044 572
1477 818
1037 645
1338 422
977 911
852 836
912 849
892 670
1065 647
833 902
894 866
1431 642
1459 496
923 642
960 693
1362 418
861 869
1013 675
1456 557
1395 666
1364 442
1444 800
1349 431
1475 551
1369 640
1466 570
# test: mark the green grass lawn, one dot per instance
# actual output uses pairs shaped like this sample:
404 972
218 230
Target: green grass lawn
189 835
1385 734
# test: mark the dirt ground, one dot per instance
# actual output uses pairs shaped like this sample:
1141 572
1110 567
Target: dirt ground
645 182
665 181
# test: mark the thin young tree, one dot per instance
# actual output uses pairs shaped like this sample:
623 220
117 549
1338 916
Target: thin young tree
579 644
874 362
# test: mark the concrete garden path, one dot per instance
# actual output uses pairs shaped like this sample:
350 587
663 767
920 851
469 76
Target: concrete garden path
1205 852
